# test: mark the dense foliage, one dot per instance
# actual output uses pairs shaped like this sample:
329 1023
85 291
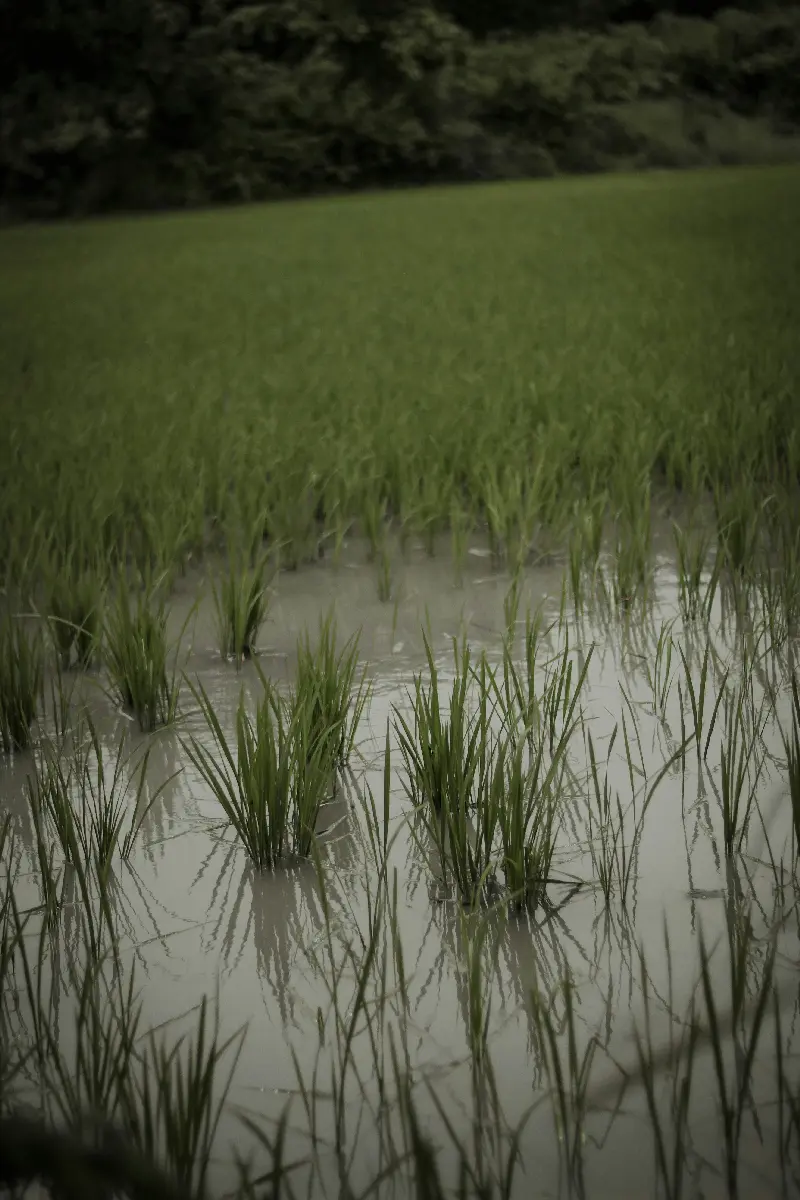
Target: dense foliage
152 102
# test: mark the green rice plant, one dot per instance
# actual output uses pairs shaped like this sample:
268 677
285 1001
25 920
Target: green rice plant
529 817
85 1085
75 605
584 545
441 755
738 750
561 694
697 699
740 520
272 790
21 679
136 653
88 799
511 603
336 694
460 529
290 516
384 573
430 508
693 549
518 699
791 746
610 858
447 771
173 1100
374 518
241 602
511 504
659 676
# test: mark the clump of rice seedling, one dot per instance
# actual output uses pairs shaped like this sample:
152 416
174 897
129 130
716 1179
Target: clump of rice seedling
441 755
739 526
21 678
241 601
136 655
693 549
448 772
76 597
327 681
291 516
272 788
172 1102
87 799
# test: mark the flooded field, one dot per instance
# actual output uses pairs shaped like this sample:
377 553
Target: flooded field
399 707
370 986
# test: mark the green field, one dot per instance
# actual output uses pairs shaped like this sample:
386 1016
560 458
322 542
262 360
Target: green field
160 372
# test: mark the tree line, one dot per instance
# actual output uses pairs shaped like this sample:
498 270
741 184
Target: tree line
108 104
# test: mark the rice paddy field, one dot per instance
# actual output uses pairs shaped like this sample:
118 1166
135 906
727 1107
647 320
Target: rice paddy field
399 703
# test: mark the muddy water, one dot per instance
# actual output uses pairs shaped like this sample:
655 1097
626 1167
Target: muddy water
196 918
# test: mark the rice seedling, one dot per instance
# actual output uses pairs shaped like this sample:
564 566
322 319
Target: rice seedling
172 1106
584 546
384 573
75 604
88 799
529 817
697 700
693 548
374 520
448 769
659 677
136 654
610 858
441 756
460 530
290 522
272 789
21 678
328 680
738 751
241 602
740 518
511 603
